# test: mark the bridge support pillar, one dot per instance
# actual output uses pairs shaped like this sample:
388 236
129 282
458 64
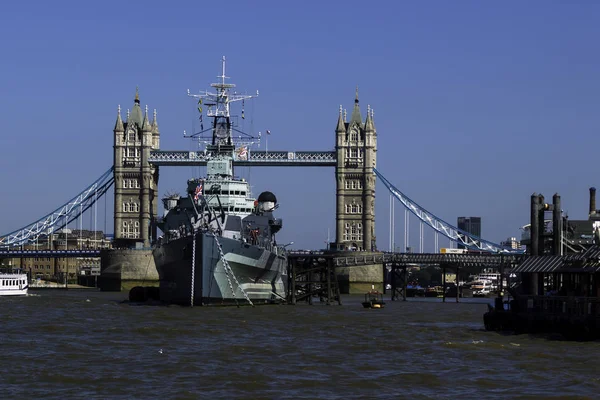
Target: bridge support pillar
122 269
312 276
399 281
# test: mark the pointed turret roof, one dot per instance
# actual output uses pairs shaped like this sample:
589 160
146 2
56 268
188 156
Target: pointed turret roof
356 118
341 127
369 123
136 112
154 123
119 123
146 122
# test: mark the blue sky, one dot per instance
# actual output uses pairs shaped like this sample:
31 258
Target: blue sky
477 104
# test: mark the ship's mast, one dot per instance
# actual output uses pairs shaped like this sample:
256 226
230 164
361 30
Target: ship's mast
219 109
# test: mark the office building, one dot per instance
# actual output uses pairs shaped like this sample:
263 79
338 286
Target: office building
471 225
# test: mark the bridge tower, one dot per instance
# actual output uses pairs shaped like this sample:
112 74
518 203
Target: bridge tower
136 181
356 147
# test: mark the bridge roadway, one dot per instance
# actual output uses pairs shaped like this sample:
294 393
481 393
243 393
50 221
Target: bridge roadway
340 259
355 259
16 253
253 158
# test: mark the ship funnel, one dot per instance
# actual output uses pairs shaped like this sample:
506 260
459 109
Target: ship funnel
592 200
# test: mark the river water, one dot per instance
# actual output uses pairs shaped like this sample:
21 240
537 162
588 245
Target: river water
59 344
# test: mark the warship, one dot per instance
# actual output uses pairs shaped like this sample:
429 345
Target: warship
218 244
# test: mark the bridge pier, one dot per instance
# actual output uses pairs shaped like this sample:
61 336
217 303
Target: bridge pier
399 277
122 269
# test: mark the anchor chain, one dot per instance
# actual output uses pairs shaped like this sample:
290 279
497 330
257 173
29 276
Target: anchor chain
193 267
228 271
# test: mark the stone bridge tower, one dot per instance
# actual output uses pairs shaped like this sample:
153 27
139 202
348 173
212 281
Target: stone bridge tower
356 147
136 181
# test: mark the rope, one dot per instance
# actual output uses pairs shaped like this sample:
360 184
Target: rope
193 267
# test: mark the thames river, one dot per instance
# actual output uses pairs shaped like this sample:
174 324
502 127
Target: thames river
59 344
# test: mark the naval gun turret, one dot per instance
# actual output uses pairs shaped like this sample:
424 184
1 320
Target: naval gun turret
261 225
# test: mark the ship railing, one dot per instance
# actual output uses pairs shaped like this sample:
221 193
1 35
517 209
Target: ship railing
571 306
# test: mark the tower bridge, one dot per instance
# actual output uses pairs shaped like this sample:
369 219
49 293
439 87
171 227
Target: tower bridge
135 176
254 158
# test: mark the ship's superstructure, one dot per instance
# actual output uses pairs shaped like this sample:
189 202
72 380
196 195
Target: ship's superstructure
218 242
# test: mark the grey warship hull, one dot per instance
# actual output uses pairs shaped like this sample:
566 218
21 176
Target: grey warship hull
258 272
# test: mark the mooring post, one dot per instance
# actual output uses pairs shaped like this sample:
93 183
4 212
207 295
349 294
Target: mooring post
292 264
405 283
457 287
310 286
444 284
384 269
329 269
394 277
501 285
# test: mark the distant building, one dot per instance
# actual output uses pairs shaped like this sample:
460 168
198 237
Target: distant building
61 267
470 225
511 242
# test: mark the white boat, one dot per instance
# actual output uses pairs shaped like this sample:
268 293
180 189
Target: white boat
13 283
481 287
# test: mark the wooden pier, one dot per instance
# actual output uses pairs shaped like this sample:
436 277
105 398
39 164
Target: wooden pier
557 294
312 275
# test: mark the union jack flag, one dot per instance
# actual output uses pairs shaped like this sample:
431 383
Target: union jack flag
198 192
242 153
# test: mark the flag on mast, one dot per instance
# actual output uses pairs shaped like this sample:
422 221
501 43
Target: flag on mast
198 192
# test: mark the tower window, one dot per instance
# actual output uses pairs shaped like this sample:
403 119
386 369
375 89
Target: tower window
131 183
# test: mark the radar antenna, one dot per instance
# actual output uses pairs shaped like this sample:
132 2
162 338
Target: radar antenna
218 108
